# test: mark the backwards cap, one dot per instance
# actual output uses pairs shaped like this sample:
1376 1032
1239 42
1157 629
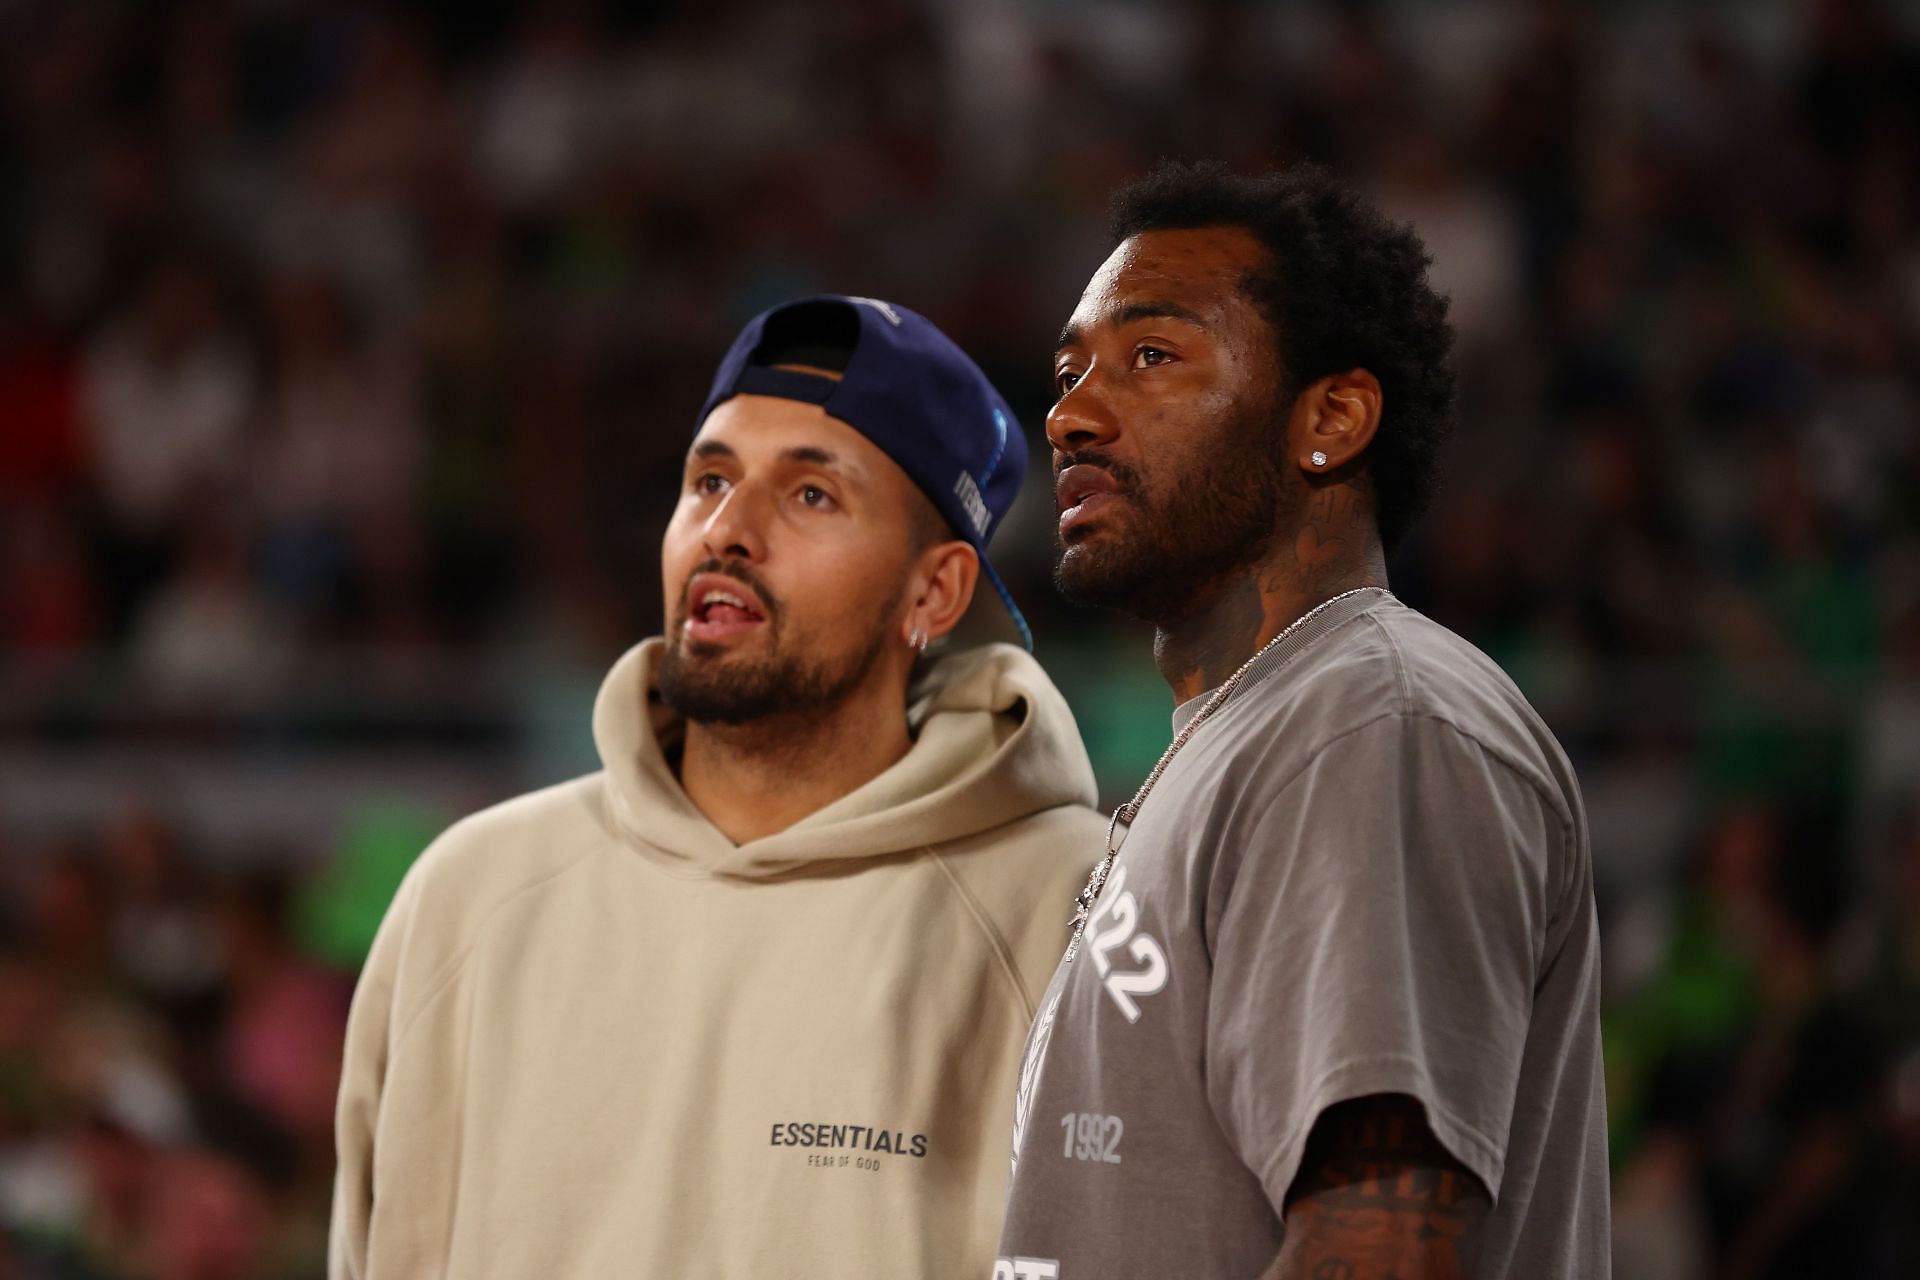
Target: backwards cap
907 388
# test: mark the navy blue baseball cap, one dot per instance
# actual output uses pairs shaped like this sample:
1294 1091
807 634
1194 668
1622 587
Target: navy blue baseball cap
905 386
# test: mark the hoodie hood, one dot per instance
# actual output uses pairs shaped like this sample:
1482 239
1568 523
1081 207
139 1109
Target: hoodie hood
993 742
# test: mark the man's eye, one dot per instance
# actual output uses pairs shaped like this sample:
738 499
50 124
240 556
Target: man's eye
1066 380
814 496
1147 357
709 483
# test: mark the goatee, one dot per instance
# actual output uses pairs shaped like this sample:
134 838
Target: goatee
708 685
1170 541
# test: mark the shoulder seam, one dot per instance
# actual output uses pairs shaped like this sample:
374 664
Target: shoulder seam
452 967
997 943
1512 766
1519 769
1399 663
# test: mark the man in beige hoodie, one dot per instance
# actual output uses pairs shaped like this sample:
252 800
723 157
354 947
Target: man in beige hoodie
749 1001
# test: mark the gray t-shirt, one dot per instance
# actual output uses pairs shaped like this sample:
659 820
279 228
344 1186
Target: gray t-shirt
1366 873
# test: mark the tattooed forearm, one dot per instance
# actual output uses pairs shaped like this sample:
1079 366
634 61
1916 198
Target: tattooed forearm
1378 1198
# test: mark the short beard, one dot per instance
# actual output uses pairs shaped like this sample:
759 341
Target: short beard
1184 535
696 680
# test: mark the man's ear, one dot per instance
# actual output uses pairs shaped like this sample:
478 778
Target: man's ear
940 588
1334 420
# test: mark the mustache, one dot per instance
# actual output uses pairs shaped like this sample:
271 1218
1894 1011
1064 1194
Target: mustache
739 570
1123 475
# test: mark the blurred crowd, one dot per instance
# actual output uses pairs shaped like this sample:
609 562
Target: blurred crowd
168 1061
340 334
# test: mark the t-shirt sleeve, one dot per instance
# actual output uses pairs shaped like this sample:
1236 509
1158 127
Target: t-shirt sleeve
1376 923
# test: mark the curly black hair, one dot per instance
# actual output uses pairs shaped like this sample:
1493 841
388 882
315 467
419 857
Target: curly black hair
1345 289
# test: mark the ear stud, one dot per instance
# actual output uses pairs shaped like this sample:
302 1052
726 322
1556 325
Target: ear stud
1318 459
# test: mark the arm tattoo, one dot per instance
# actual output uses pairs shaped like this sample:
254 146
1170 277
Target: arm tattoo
1378 1198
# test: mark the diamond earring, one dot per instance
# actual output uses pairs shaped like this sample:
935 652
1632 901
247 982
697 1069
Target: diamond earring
918 640
1318 459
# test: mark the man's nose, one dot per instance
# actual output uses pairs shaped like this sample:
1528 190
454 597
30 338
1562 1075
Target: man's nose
736 528
1083 418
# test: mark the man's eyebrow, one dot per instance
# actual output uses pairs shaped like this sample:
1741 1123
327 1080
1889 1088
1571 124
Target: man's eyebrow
1072 334
811 453
1148 310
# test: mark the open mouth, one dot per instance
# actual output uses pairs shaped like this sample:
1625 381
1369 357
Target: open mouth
1081 491
719 607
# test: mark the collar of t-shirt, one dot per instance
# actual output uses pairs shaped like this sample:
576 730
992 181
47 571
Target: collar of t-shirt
1189 709
1274 658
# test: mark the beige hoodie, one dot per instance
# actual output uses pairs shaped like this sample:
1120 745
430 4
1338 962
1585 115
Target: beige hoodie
596 1038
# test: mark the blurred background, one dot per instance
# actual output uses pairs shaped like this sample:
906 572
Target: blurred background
348 352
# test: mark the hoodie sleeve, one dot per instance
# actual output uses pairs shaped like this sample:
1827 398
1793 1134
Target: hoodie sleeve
363 1075
1024 879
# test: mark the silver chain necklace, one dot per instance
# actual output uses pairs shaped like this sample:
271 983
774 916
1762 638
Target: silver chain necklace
1123 816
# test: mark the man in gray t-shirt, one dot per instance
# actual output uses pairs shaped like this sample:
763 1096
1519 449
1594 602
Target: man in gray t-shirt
1332 1007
